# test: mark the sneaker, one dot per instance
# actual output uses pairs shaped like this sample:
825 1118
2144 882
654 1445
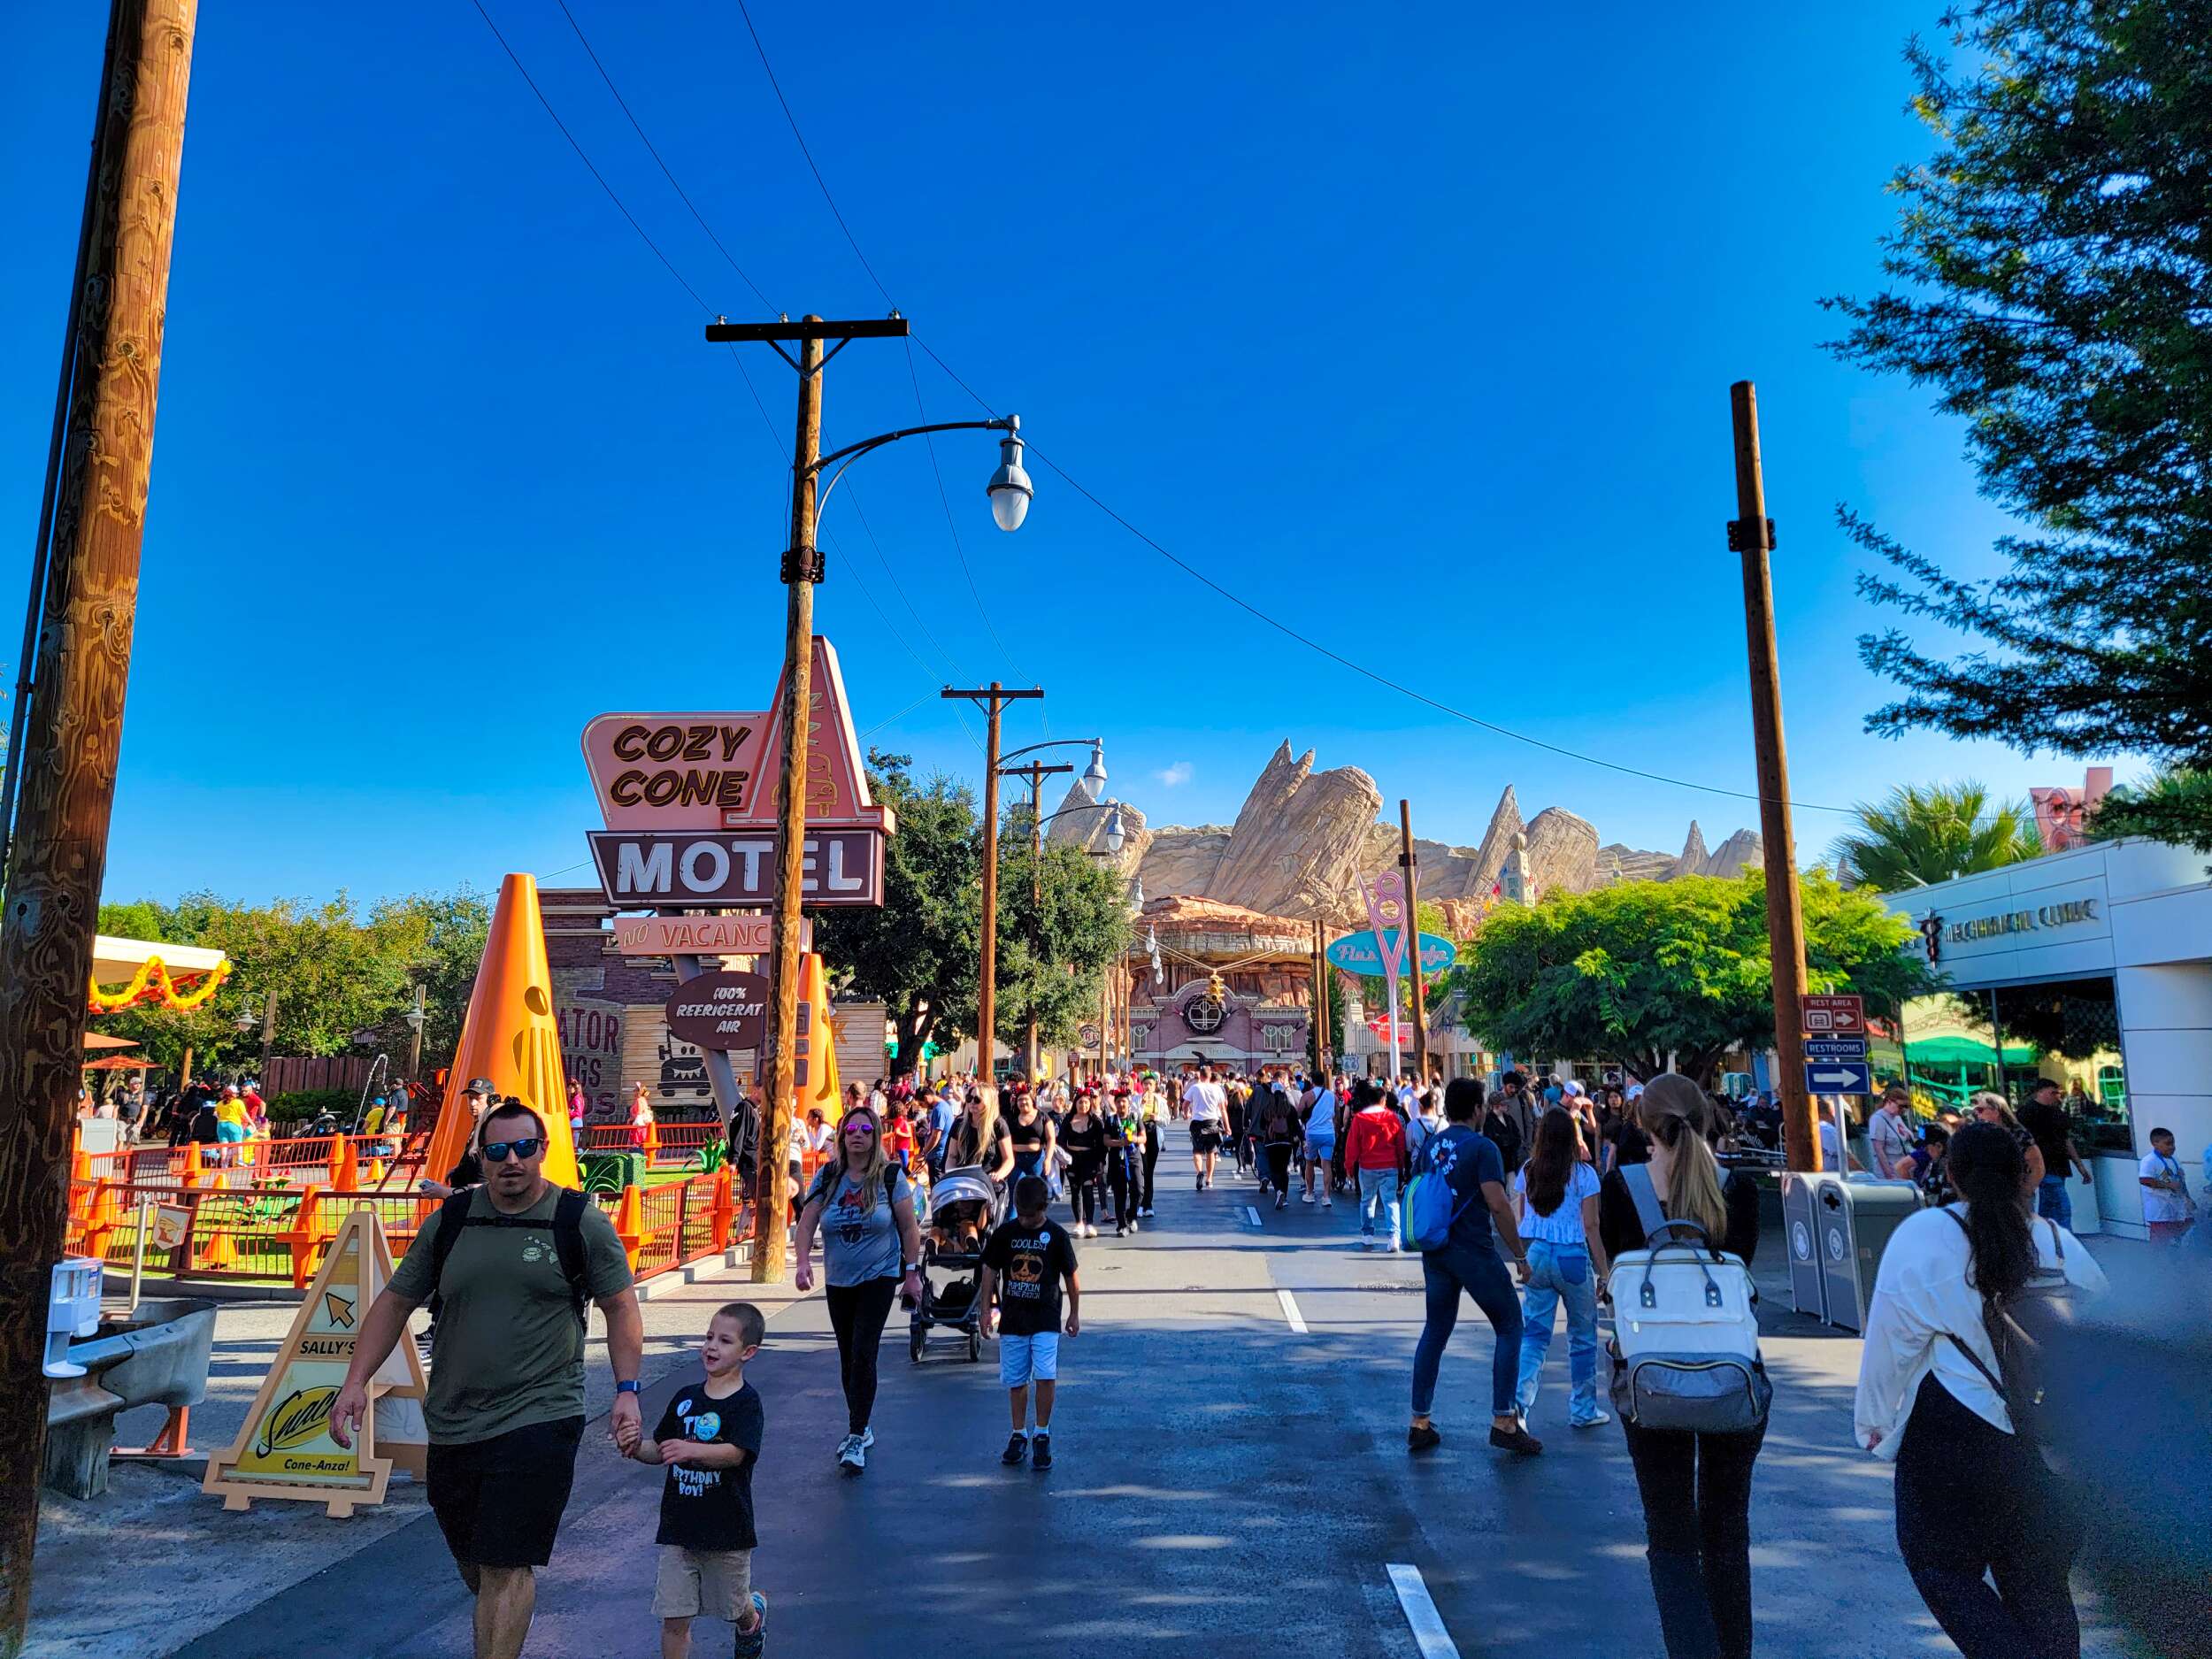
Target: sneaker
852 1456
1132 1225
1327 1202
1041 1451
1016 1449
1422 1438
1306 1197
1366 1241
751 1642
1121 1232
1281 1202
1517 1440
1596 1422
867 1438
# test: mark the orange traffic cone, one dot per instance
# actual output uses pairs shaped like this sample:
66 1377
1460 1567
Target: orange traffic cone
194 1168
629 1221
509 1036
345 1169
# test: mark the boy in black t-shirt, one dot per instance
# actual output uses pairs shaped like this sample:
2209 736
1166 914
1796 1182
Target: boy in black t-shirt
709 1440
1024 1262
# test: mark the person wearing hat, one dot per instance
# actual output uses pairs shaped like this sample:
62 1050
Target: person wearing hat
469 1170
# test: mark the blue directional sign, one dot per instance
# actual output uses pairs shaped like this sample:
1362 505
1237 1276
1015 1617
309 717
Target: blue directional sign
1835 1049
1356 953
1839 1077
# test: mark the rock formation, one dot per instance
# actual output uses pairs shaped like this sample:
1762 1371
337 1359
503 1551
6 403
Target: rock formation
1302 838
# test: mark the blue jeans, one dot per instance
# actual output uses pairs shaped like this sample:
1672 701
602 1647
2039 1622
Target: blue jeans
1560 1273
2053 1202
1378 1191
1482 1275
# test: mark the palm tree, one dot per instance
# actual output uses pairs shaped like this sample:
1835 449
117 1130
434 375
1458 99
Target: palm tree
1923 834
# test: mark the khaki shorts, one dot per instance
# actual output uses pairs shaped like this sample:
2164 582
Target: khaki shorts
715 1582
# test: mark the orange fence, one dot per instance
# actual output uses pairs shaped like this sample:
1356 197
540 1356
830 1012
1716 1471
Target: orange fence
240 1228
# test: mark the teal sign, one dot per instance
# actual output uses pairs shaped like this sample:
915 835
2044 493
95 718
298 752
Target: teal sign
1356 952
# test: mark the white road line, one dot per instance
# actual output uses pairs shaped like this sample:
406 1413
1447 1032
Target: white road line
1290 1312
1252 1214
1429 1635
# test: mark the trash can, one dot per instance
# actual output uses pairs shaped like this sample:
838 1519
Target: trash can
1801 1230
1857 1216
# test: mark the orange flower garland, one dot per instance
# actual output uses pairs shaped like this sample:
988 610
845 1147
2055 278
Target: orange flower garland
153 984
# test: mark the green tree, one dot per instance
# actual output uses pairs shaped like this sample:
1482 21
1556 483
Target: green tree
1636 970
918 951
2053 269
1053 953
2174 806
1922 834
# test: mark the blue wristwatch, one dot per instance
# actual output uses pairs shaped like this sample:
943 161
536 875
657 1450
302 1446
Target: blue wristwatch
626 1387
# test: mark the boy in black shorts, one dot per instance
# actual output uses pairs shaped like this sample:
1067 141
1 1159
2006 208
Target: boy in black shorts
709 1440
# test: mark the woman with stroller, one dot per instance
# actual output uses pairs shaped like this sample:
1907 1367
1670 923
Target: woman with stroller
1083 1138
980 1140
870 1244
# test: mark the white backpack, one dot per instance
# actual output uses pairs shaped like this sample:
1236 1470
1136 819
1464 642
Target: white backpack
1686 1328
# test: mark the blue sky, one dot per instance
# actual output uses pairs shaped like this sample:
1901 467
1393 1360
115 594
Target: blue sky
1418 336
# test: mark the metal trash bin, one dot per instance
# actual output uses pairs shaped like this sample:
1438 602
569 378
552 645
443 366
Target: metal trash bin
1800 1232
1855 1216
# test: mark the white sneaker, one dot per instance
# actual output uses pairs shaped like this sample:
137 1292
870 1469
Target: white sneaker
1327 1202
1305 1198
867 1438
852 1454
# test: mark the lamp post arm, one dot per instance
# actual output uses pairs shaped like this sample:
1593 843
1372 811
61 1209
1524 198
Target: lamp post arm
852 452
1087 806
1057 742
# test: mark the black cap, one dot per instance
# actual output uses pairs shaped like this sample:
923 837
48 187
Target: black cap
481 1086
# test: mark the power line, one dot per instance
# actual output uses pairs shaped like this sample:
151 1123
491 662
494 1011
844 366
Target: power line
624 104
944 497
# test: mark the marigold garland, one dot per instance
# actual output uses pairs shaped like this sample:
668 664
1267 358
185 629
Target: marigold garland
153 983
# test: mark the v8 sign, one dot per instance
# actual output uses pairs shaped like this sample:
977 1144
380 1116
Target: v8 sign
1832 1016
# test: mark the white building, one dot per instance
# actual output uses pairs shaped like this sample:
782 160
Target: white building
2093 967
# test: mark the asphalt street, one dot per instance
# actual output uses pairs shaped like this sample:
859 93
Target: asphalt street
1224 1483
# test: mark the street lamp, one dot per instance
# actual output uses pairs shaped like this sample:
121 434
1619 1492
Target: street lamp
801 567
1095 774
1009 487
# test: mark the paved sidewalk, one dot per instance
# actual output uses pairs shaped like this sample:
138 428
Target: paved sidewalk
1224 1484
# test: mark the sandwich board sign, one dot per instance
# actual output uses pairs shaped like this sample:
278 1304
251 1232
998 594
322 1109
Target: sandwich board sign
285 1449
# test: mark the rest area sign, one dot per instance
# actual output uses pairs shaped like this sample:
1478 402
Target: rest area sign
1357 953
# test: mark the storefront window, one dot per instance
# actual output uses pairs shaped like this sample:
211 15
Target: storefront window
2070 1030
1955 1043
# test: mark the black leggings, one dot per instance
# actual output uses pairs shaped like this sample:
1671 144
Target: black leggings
1121 1181
1974 1505
1696 1490
856 1314
1151 1157
1279 1165
1084 1174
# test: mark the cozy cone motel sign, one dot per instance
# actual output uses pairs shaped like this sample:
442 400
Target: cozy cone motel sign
690 802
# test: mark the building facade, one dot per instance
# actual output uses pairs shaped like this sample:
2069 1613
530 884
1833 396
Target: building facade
2092 967
1235 986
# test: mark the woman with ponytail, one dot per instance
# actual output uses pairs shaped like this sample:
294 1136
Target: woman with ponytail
1696 1487
1975 1503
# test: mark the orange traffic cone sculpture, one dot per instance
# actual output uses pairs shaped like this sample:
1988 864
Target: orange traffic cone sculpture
817 1045
510 1037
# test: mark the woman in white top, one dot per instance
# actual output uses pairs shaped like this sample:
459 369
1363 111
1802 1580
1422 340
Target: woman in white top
1556 1197
1975 1503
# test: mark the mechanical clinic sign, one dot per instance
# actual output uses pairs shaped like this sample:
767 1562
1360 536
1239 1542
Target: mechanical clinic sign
689 804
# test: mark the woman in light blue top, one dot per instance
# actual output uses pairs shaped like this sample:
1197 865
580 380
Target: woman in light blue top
1557 1194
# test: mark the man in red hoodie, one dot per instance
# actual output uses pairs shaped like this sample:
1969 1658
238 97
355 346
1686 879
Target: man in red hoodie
1375 1154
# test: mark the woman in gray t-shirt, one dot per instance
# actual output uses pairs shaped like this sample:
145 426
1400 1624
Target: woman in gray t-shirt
865 1209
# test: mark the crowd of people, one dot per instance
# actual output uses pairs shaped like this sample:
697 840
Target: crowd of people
1539 1199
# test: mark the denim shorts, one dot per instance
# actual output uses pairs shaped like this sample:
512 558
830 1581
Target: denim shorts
1024 1359
1320 1149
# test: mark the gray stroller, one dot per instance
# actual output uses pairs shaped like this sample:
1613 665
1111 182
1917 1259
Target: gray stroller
964 1206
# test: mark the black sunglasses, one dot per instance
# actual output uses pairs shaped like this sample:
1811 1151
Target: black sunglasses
500 1151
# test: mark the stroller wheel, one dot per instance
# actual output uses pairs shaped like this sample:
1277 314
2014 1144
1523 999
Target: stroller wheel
975 1346
916 1337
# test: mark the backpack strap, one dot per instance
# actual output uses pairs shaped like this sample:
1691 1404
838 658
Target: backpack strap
1645 1197
568 1244
452 1217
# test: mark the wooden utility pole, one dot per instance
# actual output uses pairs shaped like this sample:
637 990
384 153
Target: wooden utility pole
66 750
993 700
1407 861
1751 534
801 569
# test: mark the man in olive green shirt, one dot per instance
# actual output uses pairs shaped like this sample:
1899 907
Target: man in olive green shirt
506 1402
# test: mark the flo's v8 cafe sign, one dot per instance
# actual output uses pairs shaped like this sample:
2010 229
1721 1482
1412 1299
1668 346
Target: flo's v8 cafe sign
689 804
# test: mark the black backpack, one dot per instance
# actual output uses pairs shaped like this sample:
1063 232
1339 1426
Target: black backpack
2027 1330
567 1227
